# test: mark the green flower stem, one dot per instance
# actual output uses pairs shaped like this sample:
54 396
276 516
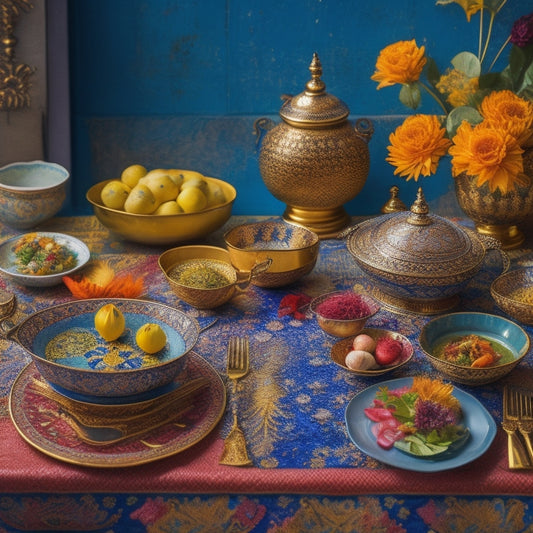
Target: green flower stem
499 53
489 33
434 95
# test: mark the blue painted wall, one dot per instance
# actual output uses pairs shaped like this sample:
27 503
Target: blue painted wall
179 83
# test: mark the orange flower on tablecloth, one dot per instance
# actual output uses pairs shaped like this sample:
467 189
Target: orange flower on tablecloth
508 111
400 62
492 155
417 146
100 281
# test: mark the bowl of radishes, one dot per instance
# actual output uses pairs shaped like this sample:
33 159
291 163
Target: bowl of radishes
372 352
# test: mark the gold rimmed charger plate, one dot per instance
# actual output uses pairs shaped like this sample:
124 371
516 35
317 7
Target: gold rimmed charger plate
36 419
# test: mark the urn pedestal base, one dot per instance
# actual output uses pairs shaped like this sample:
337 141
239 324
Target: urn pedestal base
508 234
326 223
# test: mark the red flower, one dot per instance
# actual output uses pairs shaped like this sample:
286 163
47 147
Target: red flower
522 31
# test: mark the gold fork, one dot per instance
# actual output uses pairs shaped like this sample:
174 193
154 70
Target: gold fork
235 451
511 410
525 422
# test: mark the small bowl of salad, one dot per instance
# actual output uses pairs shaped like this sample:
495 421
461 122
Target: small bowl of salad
41 259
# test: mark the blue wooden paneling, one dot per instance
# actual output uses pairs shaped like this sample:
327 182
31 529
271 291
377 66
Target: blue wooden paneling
179 82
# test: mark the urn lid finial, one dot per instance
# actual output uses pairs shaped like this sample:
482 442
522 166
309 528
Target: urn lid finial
419 210
314 107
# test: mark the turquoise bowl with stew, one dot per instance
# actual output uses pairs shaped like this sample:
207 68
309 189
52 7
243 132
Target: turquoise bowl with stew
506 337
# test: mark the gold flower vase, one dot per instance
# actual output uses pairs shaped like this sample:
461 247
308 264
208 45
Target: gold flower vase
496 214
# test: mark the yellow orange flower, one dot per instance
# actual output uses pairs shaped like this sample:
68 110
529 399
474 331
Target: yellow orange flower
492 155
436 391
458 87
417 146
471 7
506 110
401 62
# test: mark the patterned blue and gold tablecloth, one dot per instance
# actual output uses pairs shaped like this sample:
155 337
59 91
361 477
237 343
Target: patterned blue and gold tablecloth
307 475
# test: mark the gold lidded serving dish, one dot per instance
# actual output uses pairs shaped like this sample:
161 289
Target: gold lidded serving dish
314 160
418 262
203 275
513 293
292 249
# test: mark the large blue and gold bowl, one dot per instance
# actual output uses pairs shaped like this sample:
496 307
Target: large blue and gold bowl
76 361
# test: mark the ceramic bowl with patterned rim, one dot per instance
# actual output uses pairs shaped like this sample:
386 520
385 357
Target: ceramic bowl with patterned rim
513 293
72 356
31 192
507 338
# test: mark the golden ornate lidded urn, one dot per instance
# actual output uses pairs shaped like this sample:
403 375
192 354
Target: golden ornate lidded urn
314 160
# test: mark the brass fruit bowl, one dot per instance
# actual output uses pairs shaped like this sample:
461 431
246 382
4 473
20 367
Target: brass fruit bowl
176 261
504 286
292 249
341 348
491 327
338 327
163 229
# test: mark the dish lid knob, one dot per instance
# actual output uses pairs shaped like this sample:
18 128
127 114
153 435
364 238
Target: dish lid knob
419 211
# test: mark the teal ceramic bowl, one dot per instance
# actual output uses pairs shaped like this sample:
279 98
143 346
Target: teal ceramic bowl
79 363
31 193
495 328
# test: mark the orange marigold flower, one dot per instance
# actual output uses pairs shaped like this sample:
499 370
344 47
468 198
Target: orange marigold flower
417 146
436 391
401 62
506 110
492 155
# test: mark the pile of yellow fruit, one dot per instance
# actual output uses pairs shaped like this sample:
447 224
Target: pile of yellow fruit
161 191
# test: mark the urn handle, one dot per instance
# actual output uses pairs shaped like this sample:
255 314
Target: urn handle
494 244
261 126
364 128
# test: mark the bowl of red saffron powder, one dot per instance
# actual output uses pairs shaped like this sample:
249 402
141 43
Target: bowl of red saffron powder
343 313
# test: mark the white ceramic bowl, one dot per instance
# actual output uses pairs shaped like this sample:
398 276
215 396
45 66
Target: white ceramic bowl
8 266
31 192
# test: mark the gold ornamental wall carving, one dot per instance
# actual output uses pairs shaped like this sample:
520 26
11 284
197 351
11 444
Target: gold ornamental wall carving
14 78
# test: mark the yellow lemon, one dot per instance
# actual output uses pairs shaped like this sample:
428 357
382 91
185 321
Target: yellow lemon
162 187
199 183
109 322
192 200
215 194
169 208
190 174
132 174
114 194
151 338
175 175
141 200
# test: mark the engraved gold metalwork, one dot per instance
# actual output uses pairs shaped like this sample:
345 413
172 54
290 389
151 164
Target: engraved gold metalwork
495 214
235 451
517 453
14 78
314 160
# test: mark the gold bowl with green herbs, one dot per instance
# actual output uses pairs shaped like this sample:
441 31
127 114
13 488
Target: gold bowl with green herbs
203 275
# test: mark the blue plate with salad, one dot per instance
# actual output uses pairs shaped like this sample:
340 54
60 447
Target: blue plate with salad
41 259
446 429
